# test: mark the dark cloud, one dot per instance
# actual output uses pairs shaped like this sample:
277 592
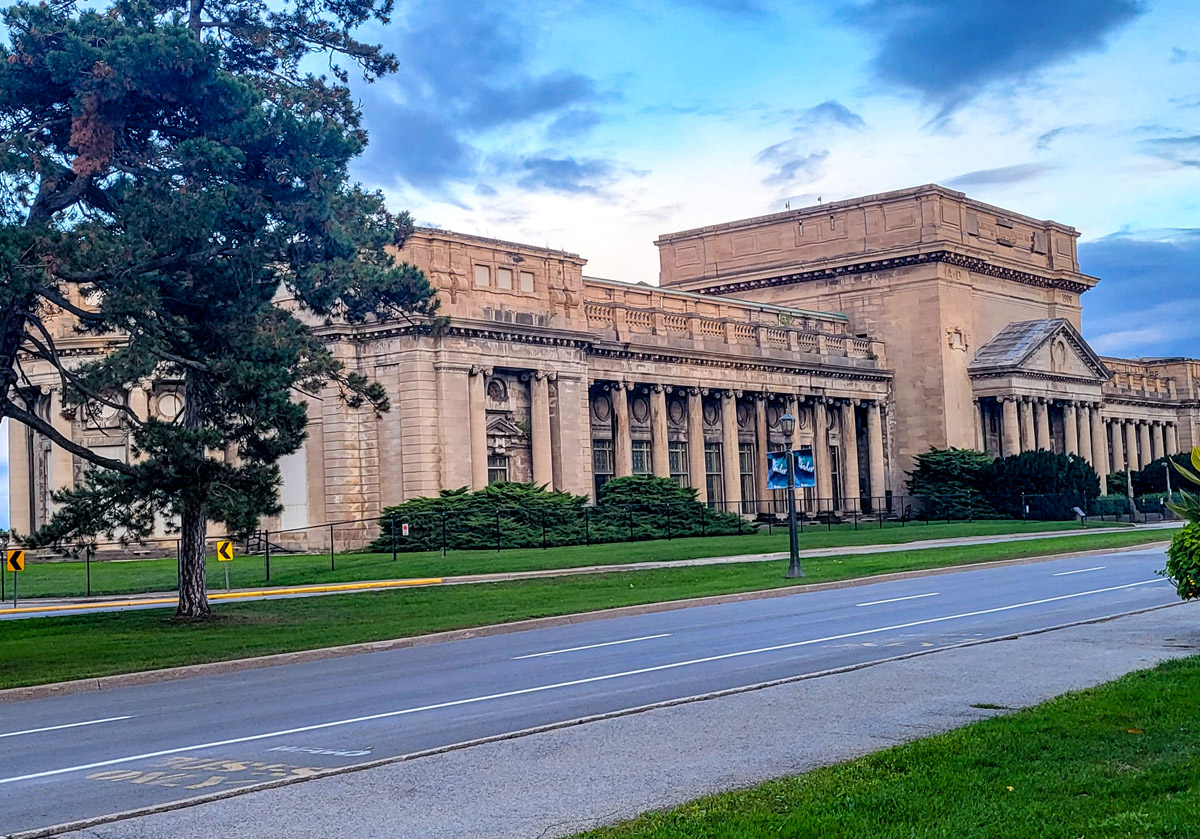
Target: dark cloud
831 113
948 50
1182 151
463 71
564 174
1045 140
1001 175
790 163
572 124
1148 299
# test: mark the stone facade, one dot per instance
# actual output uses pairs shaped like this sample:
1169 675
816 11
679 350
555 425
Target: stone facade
886 325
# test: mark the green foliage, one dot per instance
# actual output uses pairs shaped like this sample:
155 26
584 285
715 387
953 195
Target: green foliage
1189 505
519 515
1153 479
1056 482
950 481
167 170
1118 483
1183 561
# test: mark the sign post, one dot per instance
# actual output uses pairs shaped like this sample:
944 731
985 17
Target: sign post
15 562
225 554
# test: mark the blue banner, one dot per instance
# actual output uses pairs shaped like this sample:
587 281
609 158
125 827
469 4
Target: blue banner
777 469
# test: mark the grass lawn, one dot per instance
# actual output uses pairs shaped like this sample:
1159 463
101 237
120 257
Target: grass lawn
42 650
127 577
1119 760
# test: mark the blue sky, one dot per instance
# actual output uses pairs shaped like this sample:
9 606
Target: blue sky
594 127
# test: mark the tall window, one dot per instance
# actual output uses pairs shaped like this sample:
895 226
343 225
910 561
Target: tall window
835 476
497 468
713 477
602 462
749 484
641 458
526 281
677 462
483 276
504 278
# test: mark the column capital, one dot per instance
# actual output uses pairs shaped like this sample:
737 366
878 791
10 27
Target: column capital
476 370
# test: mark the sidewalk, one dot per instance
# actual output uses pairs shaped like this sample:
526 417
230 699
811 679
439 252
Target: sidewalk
554 783
167 598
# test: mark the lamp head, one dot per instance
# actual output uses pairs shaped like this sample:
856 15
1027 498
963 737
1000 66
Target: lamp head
787 423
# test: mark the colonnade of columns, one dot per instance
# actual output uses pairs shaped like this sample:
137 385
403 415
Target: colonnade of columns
1025 425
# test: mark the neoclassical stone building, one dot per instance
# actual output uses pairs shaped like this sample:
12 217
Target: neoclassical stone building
885 324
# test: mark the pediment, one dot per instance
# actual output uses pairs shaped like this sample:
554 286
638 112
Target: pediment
502 425
1050 348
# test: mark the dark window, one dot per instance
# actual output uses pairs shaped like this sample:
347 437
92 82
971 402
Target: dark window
713 474
497 468
641 458
602 462
677 457
749 472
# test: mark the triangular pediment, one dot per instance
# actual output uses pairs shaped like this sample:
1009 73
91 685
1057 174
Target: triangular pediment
1051 347
503 425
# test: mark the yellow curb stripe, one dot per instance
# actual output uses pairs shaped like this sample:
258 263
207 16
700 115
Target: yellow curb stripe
232 595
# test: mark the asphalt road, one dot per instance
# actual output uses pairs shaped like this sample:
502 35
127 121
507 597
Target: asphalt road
86 755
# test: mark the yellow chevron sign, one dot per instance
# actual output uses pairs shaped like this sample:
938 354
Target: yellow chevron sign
16 560
224 551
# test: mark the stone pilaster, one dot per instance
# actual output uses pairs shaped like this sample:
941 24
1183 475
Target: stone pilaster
62 462
571 435
1071 427
1099 448
762 444
1132 458
731 462
1085 430
1117 432
695 426
1144 455
821 462
453 413
852 492
659 450
1172 438
539 429
980 430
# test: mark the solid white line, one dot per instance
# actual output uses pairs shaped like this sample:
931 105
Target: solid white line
593 646
898 599
1080 571
557 686
68 725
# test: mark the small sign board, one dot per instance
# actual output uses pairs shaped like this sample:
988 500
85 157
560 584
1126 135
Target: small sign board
16 560
404 529
225 551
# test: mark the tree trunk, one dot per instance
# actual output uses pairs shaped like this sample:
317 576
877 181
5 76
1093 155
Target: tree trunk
193 584
193 524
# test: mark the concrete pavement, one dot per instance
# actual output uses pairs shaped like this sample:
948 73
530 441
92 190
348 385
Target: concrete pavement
82 756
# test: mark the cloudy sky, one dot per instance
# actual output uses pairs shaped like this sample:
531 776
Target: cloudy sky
594 127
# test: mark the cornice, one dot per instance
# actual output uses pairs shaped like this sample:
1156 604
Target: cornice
854 374
1005 372
957 260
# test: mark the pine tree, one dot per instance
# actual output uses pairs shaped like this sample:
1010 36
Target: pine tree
171 176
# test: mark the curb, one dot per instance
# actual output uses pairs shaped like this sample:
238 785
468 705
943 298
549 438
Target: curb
166 807
101 683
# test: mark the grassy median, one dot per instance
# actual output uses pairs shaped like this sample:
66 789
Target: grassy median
63 579
42 650
1120 760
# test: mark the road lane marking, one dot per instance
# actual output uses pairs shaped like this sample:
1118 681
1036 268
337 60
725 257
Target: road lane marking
1080 571
472 700
66 725
898 599
593 646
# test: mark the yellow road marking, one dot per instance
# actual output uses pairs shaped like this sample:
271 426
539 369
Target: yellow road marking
233 595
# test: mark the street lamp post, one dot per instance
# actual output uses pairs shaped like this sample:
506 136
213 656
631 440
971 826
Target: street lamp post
788 424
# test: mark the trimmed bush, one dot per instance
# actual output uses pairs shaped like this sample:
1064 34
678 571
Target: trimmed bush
1050 484
1153 479
949 481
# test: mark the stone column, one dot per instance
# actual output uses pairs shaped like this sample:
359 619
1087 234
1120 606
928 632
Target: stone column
477 396
762 444
1041 418
850 455
139 404
62 462
876 464
659 451
1172 438
539 426
1144 457
1117 429
622 441
1131 447
731 464
1028 441
1099 448
1156 440
1010 439
1085 431
1071 428
695 426
821 455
